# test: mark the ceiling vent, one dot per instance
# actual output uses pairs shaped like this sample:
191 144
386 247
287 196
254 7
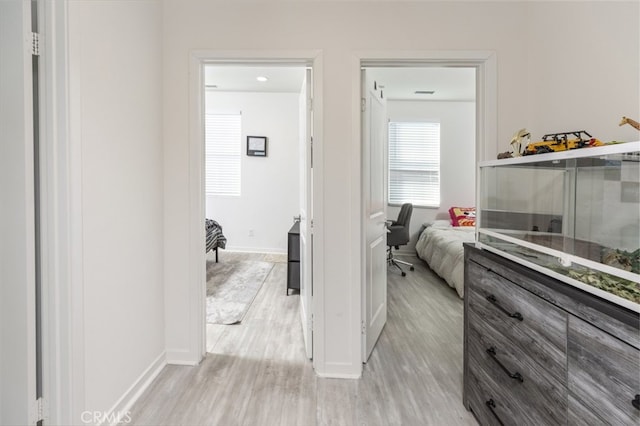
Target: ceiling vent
424 92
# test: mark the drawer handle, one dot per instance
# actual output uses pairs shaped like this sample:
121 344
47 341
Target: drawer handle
636 401
515 376
517 315
491 404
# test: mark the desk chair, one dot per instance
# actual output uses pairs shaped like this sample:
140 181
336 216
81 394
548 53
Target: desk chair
398 235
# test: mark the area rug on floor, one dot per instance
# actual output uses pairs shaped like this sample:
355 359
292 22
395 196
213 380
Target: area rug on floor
231 288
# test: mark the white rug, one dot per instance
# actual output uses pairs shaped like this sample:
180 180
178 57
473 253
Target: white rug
231 288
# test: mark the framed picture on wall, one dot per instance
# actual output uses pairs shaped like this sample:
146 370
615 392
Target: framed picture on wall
257 146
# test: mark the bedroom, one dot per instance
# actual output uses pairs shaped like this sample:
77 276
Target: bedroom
252 193
446 97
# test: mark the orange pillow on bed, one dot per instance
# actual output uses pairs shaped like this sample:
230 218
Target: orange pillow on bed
463 216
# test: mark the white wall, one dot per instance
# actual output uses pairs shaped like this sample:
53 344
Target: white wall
457 157
585 72
269 186
528 95
115 120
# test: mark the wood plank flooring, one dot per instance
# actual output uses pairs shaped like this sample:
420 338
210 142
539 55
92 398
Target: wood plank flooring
256 372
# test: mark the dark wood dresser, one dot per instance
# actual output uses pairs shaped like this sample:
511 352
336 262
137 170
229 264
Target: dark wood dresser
539 351
293 258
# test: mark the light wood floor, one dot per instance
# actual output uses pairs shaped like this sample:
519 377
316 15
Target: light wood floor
256 372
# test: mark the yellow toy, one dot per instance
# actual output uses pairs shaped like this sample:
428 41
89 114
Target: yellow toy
555 142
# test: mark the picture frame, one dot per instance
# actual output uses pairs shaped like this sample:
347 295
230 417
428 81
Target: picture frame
257 146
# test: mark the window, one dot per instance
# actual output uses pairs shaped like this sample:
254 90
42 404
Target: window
222 154
414 163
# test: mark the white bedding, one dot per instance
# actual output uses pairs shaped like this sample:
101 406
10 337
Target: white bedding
441 247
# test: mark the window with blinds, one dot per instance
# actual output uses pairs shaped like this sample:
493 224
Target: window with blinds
222 154
414 163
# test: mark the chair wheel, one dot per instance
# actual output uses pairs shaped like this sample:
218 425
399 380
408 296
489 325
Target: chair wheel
412 269
404 274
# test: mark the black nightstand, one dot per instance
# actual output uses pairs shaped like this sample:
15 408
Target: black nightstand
293 258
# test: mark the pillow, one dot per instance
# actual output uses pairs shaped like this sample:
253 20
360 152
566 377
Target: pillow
463 216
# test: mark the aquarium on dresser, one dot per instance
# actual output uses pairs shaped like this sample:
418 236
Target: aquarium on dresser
574 215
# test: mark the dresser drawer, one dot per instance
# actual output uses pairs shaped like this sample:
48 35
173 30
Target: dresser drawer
533 395
603 373
487 406
521 317
493 404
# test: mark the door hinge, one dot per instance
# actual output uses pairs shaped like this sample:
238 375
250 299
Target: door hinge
310 104
363 104
364 328
38 411
35 44
311 153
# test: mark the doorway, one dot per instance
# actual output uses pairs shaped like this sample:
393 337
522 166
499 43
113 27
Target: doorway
403 71
256 191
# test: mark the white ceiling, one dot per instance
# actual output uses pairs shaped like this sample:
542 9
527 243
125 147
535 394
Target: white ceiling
243 78
448 83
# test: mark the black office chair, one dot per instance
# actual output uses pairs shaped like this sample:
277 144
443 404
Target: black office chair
398 235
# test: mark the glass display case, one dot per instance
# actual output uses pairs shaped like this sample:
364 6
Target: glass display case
574 215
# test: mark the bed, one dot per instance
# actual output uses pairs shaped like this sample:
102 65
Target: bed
215 238
440 245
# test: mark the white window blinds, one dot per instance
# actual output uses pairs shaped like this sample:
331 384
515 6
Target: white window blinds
222 154
414 163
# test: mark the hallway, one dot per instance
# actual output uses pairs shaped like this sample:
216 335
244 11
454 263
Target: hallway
256 373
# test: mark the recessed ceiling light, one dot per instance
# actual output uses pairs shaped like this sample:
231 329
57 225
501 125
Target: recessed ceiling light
424 92
262 79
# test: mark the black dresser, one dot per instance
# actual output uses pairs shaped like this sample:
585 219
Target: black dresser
293 258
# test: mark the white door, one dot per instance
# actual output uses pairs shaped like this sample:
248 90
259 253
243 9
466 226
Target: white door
17 230
374 142
306 285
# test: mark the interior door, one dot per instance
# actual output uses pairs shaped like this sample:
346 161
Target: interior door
374 131
306 176
17 217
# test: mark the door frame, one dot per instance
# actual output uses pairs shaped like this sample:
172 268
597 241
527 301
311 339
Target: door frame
485 63
18 386
61 225
197 255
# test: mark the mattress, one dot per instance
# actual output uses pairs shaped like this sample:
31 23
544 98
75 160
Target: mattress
441 247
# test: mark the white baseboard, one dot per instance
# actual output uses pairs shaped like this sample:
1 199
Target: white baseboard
339 370
119 413
339 376
255 250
